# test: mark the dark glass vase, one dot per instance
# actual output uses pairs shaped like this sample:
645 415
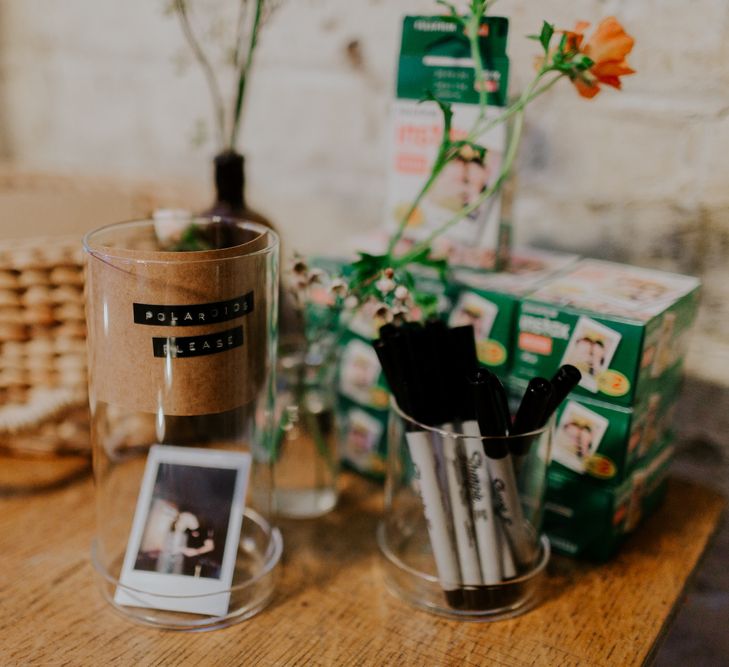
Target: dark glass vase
230 198
230 202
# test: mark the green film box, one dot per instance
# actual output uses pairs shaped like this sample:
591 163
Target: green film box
589 521
435 58
490 301
362 392
605 443
626 328
363 441
362 403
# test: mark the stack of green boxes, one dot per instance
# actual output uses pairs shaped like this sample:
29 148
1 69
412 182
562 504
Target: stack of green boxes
626 329
490 301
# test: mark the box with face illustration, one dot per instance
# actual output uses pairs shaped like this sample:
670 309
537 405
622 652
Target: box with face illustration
490 301
584 520
624 327
605 443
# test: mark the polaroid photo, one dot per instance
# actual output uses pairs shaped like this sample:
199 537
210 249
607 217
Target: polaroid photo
578 436
477 311
591 349
359 371
362 434
186 530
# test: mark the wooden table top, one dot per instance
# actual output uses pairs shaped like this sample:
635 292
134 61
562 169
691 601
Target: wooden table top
331 607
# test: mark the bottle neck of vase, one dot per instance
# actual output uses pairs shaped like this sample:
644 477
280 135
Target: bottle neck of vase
230 180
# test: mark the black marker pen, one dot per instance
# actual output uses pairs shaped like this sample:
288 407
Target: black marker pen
493 424
438 356
395 356
464 361
530 416
563 382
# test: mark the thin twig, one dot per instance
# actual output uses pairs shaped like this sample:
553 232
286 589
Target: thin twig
218 106
239 34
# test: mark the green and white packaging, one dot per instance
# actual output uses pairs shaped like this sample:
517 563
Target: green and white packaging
602 442
584 520
490 300
624 327
435 58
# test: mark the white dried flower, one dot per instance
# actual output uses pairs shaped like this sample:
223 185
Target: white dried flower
300 282
402 292
382 311
339 287
315 276
385 285
351 302
400 311
299 266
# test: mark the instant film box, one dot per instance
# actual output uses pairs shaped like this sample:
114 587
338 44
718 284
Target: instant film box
589 521
624 327
605 443
435 58
362 392
362 437
490 301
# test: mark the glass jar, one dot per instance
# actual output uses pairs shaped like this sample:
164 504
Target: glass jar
306 452
182 349
460 535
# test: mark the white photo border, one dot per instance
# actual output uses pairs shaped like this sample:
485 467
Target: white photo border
173 592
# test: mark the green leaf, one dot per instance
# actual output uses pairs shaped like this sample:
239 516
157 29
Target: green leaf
192 239
428 303
583 63
367 267
454 16
446 110
478 7
406 278
545 37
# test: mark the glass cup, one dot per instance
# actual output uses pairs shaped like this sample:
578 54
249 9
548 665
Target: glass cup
460 535
306 453
182 350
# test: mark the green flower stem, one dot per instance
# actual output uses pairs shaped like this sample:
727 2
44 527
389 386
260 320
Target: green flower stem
531 93
245 71
438 166
473 26
517 108
321 445
505 170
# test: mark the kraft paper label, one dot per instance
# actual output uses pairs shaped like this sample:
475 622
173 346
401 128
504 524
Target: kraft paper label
187 335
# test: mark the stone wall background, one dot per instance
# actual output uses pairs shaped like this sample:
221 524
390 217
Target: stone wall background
639 176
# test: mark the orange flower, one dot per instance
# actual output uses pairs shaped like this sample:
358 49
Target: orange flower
608 48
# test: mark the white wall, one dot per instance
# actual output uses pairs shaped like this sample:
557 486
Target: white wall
638 176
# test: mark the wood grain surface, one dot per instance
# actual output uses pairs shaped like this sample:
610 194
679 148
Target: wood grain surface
331 607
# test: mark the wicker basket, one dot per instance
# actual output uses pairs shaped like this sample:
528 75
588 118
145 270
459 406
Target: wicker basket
43 394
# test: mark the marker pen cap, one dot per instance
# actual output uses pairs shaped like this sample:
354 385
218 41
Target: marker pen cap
490 415
531 414
563 382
